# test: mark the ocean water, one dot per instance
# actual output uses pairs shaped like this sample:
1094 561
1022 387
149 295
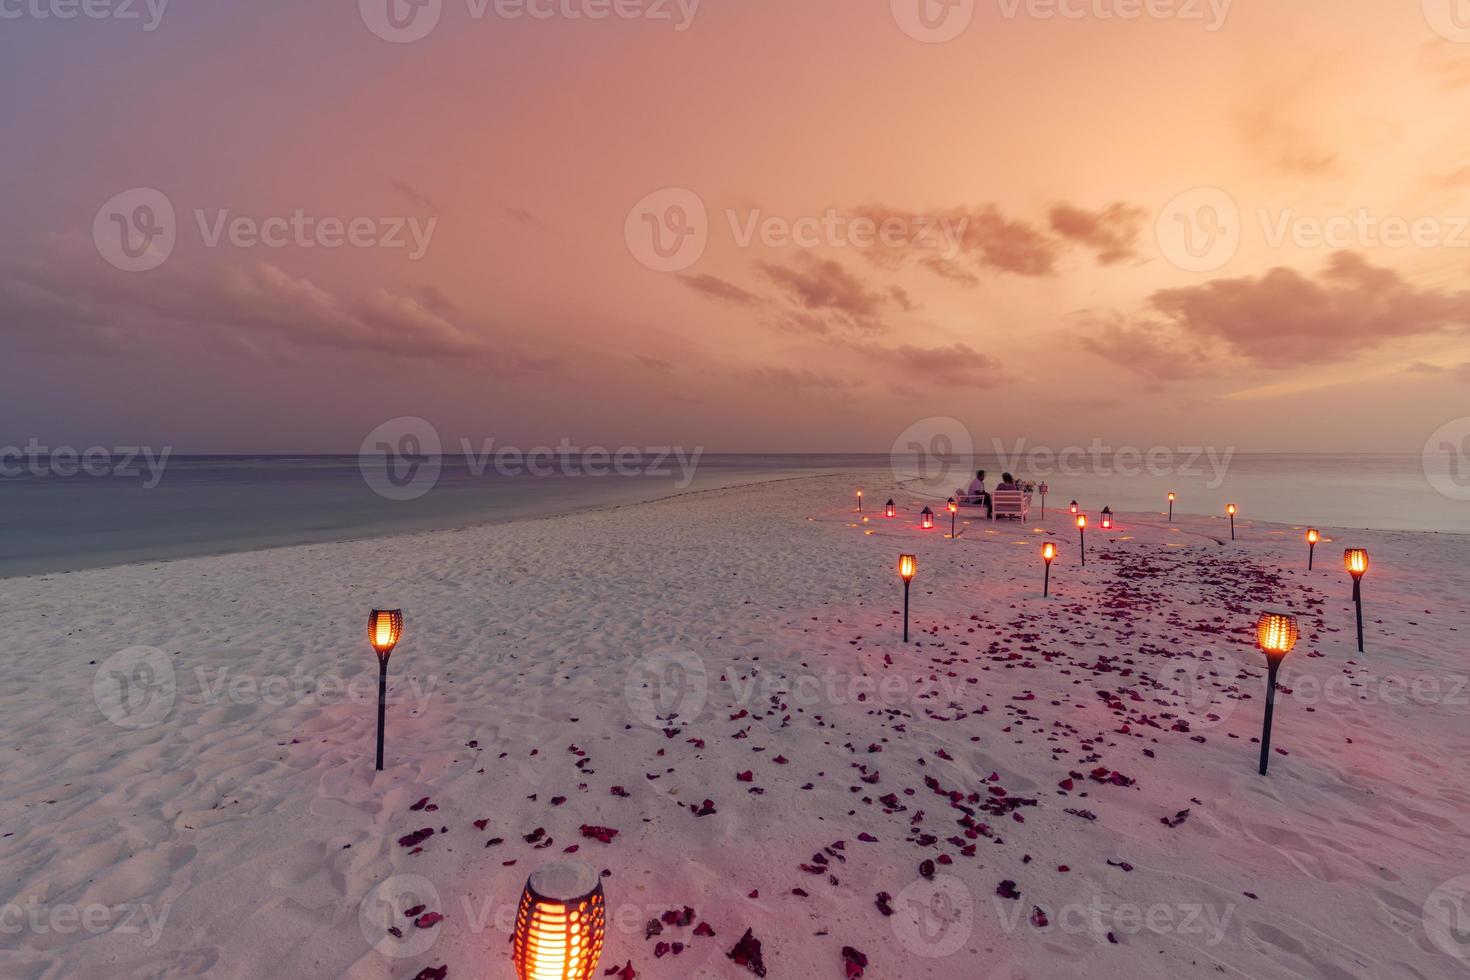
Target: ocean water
206 505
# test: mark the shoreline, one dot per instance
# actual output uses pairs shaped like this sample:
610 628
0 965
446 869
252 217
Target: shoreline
185 553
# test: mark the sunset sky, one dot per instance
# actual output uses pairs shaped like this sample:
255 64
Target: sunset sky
1088 166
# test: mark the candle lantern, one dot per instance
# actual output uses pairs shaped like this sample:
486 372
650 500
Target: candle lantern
1313 536
1230 509
926 519
889 510
560 924
954 509
1048 555
908 566
1107 518
1356 560
1082 538
385 629
1074 506
1276 635
1043 490
1172 498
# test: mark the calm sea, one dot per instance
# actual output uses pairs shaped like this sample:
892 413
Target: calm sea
209 505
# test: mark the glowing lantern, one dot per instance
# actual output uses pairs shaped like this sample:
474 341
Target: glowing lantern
1172 498
1074 506
560 924
926 519
908 566
860 500
385 629
889 510
954 510
1082 537
1313 536
1107 518
1356 560
1048 555
1276 635
1230 509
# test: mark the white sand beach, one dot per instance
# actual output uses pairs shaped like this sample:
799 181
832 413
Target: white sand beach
189 792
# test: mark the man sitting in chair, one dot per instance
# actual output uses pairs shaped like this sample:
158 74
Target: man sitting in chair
975 493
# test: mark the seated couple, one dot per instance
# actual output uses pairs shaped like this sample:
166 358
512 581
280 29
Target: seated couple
976 494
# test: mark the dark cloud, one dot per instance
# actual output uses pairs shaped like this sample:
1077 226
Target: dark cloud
790 379
956 366
1112 232
716 288
980 236
1283 318
1148 350
256 308
827 295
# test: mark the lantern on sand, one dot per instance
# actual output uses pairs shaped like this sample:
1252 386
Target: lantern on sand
926 519
1048 555
560 924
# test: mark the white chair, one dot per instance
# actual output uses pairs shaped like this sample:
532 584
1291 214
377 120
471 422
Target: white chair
1010 503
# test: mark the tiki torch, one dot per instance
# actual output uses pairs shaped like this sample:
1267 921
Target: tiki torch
907 566
385 629
1276 635
1313 536
1172 498
1356 560
1048 555
954 510
1230 509
1082 538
